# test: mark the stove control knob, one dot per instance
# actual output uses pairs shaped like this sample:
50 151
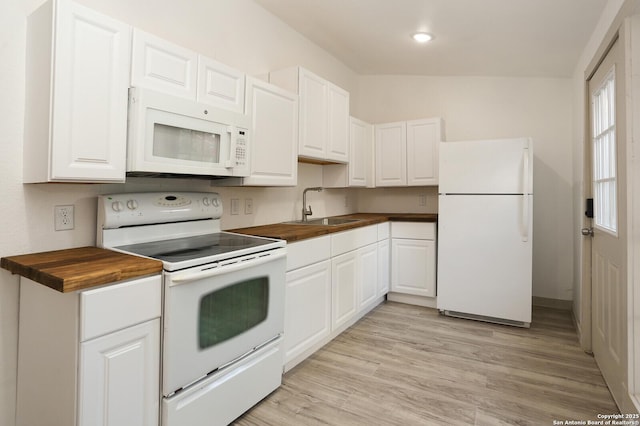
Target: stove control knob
117 206
215 202
205 201
132 204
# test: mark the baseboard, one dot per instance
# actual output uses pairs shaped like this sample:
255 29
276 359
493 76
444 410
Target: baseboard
565 305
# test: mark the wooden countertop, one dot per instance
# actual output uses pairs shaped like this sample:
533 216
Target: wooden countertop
80 268
294 232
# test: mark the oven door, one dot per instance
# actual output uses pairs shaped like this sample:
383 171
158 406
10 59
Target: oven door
215 314
172 135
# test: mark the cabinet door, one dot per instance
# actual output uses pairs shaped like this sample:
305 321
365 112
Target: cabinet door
384 260
361 147
90 83
423 140
307 318
313 115
391 154
344 273
119 377
413 268
163 66
274 142
220 85
367 275
338 124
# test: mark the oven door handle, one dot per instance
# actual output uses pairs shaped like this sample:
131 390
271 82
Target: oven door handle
227 267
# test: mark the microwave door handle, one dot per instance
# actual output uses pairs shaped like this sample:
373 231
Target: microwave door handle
231 162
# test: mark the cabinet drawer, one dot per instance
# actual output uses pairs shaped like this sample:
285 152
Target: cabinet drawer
413 230
118 306
307 252
350 240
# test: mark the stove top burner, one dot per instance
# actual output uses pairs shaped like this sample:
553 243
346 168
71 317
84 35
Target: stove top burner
189 248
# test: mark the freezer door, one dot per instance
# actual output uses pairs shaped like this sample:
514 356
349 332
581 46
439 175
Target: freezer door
484 255
503 166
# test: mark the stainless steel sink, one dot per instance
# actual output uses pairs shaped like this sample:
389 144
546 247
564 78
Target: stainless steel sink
327 221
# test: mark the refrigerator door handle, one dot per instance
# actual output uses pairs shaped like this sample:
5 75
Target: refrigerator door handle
525 194
525 217
525 170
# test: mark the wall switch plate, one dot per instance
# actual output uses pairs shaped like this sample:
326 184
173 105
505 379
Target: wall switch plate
248 206
422 200
235 206
64 217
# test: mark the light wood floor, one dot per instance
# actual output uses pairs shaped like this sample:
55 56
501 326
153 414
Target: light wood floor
407 365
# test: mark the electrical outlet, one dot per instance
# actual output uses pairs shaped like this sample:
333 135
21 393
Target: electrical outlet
235 206
63 216
248 206
422 200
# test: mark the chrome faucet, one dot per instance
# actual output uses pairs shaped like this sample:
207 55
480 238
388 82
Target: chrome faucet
307 211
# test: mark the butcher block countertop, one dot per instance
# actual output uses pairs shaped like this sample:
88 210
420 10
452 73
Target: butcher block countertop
295 232
80 268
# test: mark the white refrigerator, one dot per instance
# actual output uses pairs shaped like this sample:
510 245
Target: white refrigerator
485 212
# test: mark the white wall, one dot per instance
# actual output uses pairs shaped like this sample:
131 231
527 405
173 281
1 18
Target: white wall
237 32
492 107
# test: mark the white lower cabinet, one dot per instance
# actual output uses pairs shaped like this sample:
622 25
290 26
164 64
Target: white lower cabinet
118 377
384 263
332 281
368 275
413 258
344 278
307 320
89 357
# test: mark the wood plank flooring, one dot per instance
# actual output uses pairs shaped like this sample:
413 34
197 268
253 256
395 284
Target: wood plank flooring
408 365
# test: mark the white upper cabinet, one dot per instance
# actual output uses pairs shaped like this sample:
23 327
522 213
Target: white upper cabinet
360 170
77 74
274 149
423 140
391 154
338 125
324 115
407 152
220 85
163 66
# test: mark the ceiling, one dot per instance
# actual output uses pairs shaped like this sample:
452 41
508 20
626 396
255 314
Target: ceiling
542 38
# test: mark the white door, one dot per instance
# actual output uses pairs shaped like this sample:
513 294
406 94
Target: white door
344 274
307 317
423 141
338 124
384 260
391 154
367 275
413 267
89 132
119 377
313 115
608 256
274 144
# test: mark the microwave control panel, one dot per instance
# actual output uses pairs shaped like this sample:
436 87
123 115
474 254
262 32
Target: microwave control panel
241 148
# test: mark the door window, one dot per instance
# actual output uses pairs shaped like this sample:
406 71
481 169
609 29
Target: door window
604 155
232 310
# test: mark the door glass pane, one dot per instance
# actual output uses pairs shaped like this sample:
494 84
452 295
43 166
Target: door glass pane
232 310
604 155
185 144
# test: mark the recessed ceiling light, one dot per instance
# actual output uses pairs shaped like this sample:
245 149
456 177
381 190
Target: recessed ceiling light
422 37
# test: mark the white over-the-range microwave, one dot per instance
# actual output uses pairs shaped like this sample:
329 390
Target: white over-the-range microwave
168 136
